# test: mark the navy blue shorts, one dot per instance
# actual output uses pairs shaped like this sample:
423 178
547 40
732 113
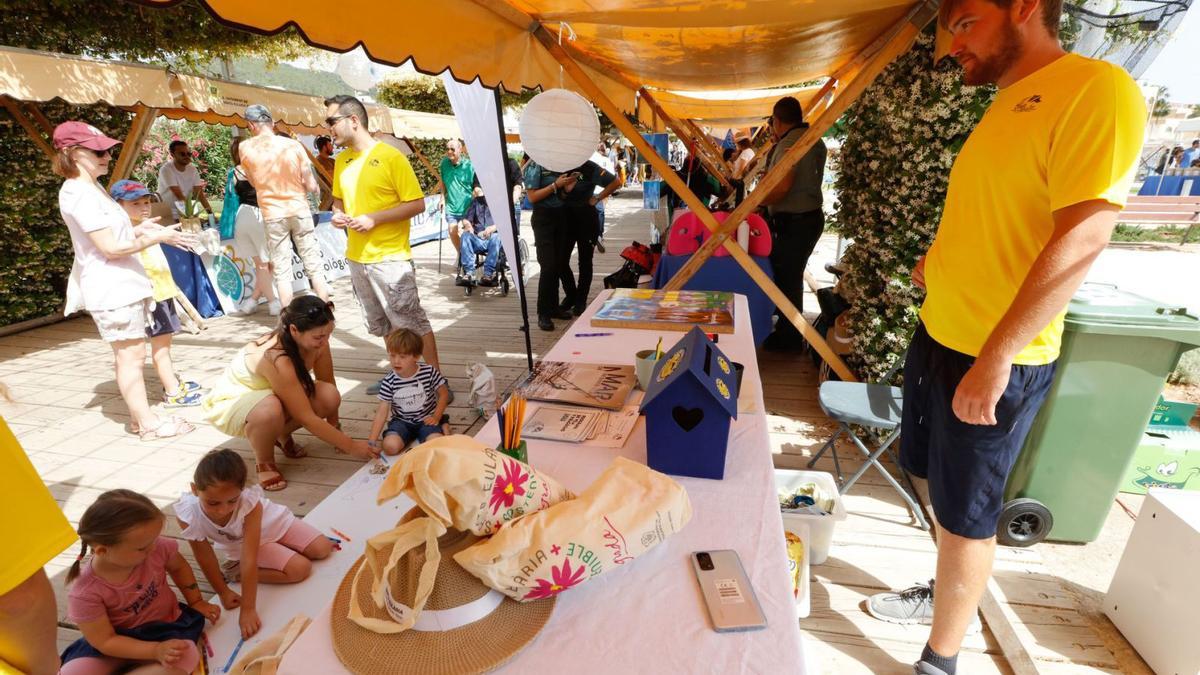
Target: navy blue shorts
164 320
966 465
413 430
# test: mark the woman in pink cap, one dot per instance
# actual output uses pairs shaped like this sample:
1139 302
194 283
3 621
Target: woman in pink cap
107 279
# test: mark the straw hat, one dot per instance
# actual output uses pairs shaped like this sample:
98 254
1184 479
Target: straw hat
423 628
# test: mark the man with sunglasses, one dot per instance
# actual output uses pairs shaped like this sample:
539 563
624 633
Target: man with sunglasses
375 196
282 175
178 178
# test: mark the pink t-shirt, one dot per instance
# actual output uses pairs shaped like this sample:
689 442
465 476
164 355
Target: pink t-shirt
143 598
277 168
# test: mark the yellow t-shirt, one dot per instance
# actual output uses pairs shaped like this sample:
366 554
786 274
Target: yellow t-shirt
1069 133
159 271
32 527
375 180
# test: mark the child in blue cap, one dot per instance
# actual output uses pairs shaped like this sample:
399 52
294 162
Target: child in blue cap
164 321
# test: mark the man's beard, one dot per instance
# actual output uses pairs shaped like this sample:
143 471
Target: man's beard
991 70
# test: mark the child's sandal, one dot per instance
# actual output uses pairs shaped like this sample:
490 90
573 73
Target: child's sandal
272 483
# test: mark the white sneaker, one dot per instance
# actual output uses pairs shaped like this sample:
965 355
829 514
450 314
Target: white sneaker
247 306
274 307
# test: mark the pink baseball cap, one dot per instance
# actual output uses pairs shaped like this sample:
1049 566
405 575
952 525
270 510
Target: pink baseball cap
83 135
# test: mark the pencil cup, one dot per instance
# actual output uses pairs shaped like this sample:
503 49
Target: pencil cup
643 366
519 453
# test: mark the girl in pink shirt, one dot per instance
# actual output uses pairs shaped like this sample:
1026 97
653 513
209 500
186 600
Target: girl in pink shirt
261 540
120 599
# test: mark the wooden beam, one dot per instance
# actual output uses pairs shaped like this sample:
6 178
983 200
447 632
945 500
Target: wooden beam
714 152
326 177
883 50
739 254
143 119
683 132
14 109
38 116
437 175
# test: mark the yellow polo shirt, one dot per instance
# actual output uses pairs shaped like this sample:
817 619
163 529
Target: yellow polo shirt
371 181
33 528
1068 133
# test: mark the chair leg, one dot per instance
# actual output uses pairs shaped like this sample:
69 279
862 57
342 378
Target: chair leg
873 460
829 445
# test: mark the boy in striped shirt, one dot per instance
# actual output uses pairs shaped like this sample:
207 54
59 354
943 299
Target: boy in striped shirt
412 397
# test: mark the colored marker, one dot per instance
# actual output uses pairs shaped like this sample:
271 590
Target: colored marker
238 648
592 334
208 646
341 534
333 539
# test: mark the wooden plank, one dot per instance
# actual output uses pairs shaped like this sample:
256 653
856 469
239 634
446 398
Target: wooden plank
18 114
143 120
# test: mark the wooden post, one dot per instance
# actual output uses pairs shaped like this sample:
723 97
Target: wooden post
739 254
684 133
427 164
38 116
18 114
143 119
874 59
714 152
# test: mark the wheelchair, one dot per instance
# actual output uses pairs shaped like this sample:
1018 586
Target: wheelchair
503 271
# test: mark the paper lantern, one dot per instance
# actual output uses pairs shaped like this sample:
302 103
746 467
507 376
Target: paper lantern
357 70
559 129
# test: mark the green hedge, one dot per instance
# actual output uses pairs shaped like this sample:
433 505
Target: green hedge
35 253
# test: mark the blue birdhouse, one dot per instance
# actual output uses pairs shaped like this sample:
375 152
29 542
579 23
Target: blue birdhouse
688 405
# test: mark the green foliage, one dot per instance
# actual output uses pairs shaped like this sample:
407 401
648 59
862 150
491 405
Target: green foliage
265 74
1188 370
185 34
1195 112
425 93
902 136
210 152
1162 104
36 256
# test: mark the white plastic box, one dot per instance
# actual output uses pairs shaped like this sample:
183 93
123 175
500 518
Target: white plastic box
820 527
1154 599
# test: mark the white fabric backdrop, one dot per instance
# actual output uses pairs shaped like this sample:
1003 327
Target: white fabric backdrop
475 108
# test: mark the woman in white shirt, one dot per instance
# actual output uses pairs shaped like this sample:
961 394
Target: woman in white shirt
107 279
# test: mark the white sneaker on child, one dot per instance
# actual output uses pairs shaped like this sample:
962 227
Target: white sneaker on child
274 307
247 306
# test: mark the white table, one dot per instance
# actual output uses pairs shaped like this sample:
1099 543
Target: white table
647 617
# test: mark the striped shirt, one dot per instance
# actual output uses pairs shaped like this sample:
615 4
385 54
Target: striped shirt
413 398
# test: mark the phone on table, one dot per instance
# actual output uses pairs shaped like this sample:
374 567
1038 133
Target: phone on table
732 604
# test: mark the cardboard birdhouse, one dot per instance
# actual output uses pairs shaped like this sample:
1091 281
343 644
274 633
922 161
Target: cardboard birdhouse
691 398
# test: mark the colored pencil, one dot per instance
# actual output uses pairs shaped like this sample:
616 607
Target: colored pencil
658 349
238 648
341 534
592 334
333 539
208 646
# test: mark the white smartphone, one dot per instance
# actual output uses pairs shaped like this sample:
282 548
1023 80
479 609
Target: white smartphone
732 604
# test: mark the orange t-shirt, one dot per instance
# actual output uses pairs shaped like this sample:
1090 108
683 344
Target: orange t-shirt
277 167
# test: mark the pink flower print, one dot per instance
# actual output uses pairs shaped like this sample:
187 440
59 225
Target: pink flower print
563 577
508 487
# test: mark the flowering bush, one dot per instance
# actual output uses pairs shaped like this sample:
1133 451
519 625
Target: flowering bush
210 152
902 136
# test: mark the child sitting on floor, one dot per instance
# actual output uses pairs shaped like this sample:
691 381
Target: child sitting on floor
164 320
119 598
414 395
261 540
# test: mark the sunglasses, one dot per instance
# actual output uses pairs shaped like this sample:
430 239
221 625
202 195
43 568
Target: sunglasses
330 121
100 153
317 311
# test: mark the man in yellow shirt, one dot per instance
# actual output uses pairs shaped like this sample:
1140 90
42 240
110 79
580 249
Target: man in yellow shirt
375 196
32 531
1033 197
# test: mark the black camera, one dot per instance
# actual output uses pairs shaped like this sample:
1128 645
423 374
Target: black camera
705 561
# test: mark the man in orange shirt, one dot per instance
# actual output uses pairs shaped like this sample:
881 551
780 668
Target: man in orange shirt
282 175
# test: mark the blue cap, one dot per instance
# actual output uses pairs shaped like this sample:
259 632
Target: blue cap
127 190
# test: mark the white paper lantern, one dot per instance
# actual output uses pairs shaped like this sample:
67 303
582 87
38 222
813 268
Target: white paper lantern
357 70
559 129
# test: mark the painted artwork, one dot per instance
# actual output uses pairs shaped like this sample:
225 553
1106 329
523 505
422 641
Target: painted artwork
711 311
588 384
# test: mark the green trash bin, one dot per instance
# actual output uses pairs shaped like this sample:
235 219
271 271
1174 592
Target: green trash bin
1118 349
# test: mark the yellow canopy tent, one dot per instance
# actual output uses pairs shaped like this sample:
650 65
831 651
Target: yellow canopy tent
618 51
29 77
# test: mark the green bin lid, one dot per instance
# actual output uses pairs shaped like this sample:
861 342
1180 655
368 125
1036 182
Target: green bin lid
1106 309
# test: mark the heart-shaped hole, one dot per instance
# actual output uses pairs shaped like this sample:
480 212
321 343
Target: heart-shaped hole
687 418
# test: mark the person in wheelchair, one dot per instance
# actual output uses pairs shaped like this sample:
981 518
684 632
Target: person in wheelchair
478 234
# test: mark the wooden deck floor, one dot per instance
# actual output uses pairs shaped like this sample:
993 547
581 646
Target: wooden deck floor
72 423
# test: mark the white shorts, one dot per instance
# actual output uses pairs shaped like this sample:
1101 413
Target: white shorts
131 322
250 232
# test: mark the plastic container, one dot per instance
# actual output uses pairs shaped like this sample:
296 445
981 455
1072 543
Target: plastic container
820 527
1117 351
803 599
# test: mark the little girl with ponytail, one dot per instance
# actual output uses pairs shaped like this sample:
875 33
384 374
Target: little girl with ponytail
119 597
